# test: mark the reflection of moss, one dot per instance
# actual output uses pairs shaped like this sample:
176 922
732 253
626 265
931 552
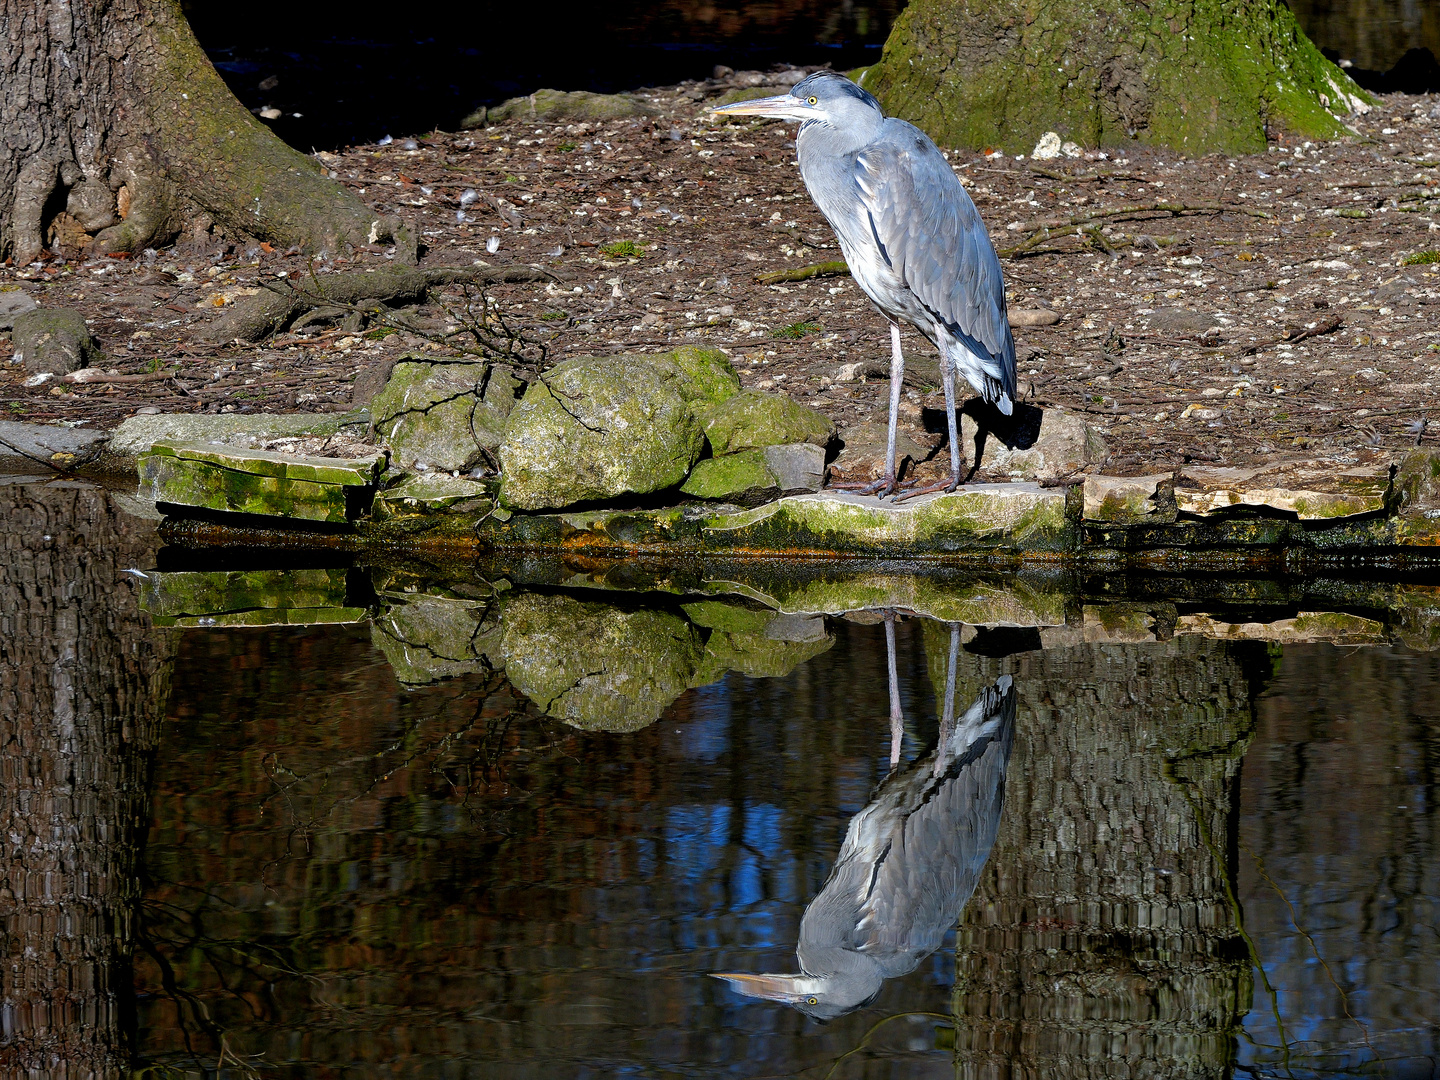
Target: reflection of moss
755 655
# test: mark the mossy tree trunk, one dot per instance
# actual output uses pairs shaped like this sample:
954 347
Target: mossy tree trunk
118 133
1193 75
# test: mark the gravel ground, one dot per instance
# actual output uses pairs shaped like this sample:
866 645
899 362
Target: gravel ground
1290 306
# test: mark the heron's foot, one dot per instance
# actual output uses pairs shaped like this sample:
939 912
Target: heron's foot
946 485
882 487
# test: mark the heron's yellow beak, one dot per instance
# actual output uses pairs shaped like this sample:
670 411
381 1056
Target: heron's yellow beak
781 107
781 988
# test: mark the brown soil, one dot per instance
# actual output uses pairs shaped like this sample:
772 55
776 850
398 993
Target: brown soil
1308 243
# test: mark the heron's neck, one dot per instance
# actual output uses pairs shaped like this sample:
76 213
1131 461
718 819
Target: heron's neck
817 140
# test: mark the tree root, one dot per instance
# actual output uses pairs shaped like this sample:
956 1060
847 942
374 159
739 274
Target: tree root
1044 229
805 273
283 302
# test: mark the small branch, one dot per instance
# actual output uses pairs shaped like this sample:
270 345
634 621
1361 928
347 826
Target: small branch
805 273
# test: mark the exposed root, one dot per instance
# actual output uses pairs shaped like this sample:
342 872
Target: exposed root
268 312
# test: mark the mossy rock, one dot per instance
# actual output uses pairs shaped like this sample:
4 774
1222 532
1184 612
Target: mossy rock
557 105
432 493
598 667
447 415
753 419
744 479
599 427
54 340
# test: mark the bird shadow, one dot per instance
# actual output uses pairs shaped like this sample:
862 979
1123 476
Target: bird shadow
1018 431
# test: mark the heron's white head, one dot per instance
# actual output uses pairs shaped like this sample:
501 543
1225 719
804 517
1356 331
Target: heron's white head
825 97
823 997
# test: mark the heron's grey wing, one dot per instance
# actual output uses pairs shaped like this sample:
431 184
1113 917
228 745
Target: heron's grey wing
942 843
932 236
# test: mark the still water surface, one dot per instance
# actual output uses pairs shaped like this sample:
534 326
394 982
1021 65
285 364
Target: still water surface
1188 857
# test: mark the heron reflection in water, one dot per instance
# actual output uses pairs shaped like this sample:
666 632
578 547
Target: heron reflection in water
910 859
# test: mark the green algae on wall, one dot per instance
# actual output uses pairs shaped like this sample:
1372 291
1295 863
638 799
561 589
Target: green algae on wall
1194 75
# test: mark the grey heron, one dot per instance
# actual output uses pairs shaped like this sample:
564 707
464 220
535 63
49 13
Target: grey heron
912 238
909 862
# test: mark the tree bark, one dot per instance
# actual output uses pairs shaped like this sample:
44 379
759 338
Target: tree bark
1193 75
82 686
117 133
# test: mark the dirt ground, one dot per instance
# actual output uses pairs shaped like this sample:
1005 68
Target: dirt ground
1291 307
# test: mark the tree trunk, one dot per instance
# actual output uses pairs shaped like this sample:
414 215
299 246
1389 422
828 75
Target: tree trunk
82 686
118 133
1193 75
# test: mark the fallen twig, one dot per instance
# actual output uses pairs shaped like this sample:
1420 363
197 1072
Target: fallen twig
805 273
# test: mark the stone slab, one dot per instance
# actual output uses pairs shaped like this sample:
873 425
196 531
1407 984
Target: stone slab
1313 490
1129 500
136 434
24 444
1337 627
346 472
432 492
983 516
165 478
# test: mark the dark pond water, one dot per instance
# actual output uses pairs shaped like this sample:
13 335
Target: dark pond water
364 848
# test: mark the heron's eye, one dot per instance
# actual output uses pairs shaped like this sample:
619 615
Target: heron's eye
812 100
813 1001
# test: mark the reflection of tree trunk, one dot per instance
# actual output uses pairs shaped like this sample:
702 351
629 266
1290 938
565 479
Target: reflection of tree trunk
1102 940
82 680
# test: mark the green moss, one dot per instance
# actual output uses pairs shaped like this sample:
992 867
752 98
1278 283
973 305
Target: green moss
753 419
1421 258
623 249
742 478
796 331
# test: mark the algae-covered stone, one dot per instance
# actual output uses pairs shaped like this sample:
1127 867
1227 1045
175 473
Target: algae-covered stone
429 637
706 376
753 419
744 479
448 415
598 667
54 340
204 476
598 427
557 105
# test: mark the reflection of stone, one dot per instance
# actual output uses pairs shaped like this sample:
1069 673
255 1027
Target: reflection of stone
247 598
427 637
1101 941
761 644
596 666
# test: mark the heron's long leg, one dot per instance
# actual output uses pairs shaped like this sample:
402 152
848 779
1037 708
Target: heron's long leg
897 717
947 714
947 377
886 483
